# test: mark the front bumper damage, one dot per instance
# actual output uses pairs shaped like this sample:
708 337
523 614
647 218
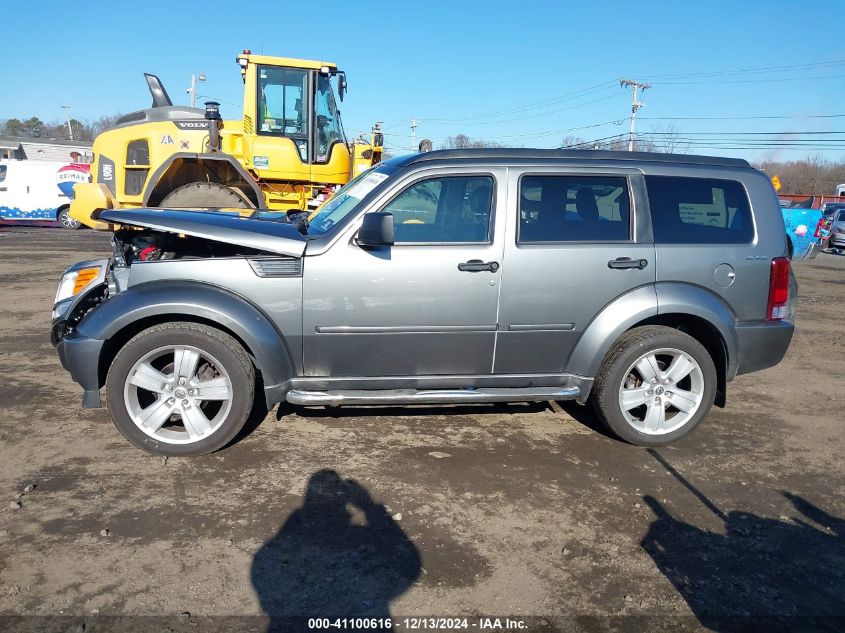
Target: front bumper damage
80 356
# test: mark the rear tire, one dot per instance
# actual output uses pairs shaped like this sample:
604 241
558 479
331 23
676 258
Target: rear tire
64 218
655 386
206 195
198 414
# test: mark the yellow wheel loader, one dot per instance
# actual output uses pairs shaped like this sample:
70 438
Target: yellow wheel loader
288 152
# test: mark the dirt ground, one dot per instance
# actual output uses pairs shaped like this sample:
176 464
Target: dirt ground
517 510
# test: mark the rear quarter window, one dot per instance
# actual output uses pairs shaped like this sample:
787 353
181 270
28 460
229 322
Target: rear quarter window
686 210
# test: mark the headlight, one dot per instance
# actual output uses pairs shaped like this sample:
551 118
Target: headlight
75 281
839 229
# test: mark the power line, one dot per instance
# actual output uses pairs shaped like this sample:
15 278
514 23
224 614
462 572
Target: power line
598 141
664 79
739 71
745 133
740 118
525 118
538 104
557 132
744 81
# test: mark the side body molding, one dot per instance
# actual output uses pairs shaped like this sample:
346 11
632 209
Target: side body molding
615 318
681 298
194 299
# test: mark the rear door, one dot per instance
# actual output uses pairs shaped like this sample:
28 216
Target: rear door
575 244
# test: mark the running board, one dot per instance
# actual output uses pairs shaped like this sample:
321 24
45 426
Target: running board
430 396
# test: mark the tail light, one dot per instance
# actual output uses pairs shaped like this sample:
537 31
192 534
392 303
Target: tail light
778 289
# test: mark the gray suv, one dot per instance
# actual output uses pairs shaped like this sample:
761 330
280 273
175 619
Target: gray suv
639 283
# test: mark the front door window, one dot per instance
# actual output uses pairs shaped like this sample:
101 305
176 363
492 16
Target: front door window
454 209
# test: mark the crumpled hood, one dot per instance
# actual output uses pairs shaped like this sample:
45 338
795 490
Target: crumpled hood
266 235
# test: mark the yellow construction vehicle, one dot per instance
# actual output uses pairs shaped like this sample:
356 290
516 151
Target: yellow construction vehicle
288 152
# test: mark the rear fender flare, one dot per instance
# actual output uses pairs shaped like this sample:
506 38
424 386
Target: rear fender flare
615 319
681 298
647 302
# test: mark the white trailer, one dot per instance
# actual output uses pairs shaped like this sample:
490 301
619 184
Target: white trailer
38 192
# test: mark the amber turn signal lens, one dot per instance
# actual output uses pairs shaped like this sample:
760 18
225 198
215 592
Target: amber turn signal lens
85 277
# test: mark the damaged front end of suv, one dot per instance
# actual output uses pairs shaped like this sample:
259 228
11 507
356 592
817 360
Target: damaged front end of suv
169 264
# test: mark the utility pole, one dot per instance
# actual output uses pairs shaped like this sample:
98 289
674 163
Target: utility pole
69 126
413 133
193 89
635 105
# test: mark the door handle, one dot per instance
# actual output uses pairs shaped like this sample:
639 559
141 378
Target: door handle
626 262
4 189
476 266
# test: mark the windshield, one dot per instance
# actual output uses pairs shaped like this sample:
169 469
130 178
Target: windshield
345 201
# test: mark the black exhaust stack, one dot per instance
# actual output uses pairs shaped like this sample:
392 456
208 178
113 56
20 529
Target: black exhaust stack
160 97
215 122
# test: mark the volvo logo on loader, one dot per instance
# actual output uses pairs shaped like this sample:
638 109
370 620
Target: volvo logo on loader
192 125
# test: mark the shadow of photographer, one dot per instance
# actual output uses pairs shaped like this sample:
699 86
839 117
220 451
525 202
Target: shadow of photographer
339 555
760 574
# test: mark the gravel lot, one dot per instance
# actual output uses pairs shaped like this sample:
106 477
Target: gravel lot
474 510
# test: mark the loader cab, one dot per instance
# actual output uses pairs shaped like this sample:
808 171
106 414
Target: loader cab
291 126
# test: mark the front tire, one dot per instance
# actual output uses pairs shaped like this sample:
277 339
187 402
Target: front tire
206 195
180 389
655 386
66 220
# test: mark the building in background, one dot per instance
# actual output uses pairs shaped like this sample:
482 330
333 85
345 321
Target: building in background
49 149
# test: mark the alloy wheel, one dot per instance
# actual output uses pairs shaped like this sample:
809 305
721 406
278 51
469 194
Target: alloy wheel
178 394
661 392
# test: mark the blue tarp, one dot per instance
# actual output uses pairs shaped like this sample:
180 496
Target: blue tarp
801 226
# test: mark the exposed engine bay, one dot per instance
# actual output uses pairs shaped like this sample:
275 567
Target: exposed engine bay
132 245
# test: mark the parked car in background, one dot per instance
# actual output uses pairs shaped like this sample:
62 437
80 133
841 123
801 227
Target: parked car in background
639 283
837 230
830 207
35 192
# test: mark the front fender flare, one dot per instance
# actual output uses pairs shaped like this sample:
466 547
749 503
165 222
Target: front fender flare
157 186
247 322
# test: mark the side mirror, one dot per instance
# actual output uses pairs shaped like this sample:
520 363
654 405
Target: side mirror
376 230
341 85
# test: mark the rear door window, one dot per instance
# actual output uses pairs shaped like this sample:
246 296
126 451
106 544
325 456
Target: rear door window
688 210
2 173
574 209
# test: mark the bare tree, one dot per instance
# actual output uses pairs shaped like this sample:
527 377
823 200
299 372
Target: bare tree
669 139
812 175
571 141
462 141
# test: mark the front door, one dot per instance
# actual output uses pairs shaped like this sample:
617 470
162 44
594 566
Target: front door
425 306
